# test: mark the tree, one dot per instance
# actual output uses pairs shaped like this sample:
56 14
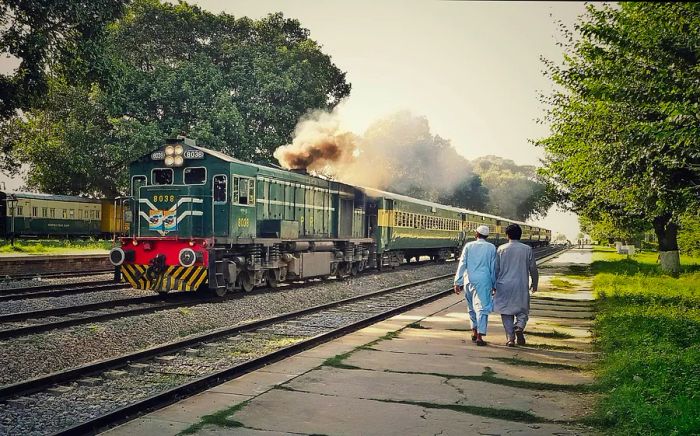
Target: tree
624 145
50 35
236 85
514 190
470 194
689 234
604 230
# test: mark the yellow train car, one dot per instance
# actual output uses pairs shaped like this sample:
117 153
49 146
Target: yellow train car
113 221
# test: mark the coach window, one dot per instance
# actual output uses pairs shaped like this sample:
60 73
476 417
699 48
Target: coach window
35 211
195 176
136 183
44 212
162 176
219 188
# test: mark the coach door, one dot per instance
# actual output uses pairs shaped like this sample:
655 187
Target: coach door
220 205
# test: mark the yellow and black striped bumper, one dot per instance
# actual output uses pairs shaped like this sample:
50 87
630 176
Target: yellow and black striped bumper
175 278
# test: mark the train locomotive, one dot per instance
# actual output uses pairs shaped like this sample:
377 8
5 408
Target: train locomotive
202 220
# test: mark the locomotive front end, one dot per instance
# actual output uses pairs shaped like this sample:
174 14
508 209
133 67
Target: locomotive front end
162 264
170 240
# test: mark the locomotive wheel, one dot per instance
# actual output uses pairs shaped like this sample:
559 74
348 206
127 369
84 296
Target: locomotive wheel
353 269
219 292
247 281
272 280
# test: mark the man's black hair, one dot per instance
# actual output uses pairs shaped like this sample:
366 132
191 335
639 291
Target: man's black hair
514 232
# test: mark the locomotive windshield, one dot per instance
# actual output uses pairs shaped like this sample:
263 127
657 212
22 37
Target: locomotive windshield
162 176
195 176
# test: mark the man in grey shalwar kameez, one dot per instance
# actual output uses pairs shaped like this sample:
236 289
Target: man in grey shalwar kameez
514 263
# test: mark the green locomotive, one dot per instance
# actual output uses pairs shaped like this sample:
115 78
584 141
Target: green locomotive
202 219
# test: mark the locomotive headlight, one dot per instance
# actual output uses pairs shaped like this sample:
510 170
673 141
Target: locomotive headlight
169 161
116 256
179 149
169 150
178 161
188 257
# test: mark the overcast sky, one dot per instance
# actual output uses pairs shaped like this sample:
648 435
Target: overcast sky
472 68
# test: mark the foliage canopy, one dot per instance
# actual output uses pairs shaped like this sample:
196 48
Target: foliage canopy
625 146
237 85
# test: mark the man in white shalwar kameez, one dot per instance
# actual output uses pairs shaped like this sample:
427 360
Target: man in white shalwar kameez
515 267
478 261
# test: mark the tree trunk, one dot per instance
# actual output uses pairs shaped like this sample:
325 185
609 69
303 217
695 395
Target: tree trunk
667 234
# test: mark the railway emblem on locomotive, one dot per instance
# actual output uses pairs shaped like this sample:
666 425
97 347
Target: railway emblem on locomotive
162 220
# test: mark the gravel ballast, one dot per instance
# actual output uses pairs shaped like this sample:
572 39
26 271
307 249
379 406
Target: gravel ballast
9 284
43 353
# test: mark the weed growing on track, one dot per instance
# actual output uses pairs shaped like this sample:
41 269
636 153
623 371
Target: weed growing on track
648 328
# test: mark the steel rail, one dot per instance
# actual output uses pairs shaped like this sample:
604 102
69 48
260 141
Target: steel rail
55 291
68 310
19 277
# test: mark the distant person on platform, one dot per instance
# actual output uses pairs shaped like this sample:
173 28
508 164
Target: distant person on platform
514 263
478 261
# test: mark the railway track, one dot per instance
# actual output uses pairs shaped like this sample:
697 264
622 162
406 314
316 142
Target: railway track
59 289
24 323
37 321
31 276
167 372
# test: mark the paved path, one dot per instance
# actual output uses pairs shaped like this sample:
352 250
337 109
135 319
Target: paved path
416 374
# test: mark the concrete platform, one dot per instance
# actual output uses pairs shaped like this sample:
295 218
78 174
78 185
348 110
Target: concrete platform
417 373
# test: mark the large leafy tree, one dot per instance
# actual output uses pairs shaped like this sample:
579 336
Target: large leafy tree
624 146
49 35
236 85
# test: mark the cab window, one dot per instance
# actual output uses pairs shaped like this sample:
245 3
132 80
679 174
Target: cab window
136 183
195 176
162 176
219 188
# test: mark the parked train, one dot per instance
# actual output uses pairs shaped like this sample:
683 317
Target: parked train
24 214
203 220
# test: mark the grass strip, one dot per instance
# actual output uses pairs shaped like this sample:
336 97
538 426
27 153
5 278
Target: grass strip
489 412
222 418
556 334
488 376
523 362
